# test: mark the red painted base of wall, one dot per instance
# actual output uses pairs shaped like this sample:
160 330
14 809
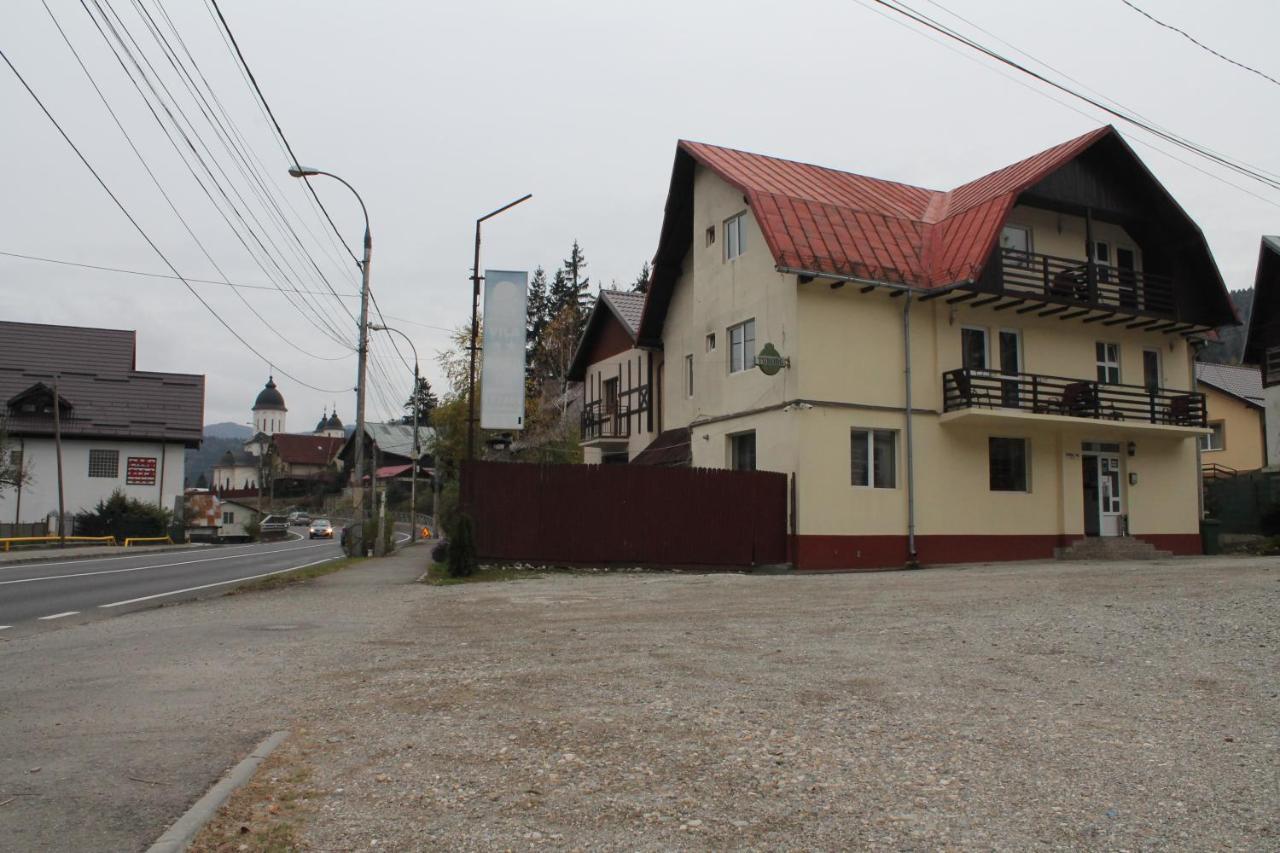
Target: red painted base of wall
873 553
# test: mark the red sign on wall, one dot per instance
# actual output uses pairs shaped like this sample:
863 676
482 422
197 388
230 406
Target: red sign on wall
141 471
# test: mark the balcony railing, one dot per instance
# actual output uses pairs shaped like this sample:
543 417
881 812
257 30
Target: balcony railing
1086 283
1078 398
600 422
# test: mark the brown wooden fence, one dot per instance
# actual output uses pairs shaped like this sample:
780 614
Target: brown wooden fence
636 515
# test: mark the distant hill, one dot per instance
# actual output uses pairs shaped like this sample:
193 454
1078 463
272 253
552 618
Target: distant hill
228 429
1229 347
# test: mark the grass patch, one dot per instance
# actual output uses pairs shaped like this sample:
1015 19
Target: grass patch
295 577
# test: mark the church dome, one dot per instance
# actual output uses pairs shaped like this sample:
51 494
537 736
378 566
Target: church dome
334 422
269 398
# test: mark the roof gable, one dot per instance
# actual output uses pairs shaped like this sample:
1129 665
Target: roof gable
1264 318
820 221
611 328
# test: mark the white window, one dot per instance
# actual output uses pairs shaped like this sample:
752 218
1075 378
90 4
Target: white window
104 463
874 458
742 346
228 518
1216 439
711 342
735 236
973 348
688 375
1008 464
711 235
1016 241
1108 362
1151 370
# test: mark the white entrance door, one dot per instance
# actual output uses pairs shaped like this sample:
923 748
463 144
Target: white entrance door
1110 501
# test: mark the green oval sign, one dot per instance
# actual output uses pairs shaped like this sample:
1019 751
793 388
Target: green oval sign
770 361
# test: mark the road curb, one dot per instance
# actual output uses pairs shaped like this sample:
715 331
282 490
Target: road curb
118 551
185 828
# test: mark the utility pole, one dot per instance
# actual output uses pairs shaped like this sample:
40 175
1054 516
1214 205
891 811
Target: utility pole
356 537
475 327
57 445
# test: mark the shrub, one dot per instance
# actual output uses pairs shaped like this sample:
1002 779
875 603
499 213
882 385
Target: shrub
122 517
462 547
440 551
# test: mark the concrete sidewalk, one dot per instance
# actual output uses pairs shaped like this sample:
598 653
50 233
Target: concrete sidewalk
110 730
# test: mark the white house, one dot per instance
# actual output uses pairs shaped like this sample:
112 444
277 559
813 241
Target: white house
122 428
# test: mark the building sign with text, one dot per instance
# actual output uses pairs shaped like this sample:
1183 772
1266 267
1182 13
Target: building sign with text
140 471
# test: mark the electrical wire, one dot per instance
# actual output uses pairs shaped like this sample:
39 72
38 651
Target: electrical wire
1229 163
1199 43
142 231
317 318
160 187
969 57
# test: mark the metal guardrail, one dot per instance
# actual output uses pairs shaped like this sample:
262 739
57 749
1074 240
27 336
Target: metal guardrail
132 539
9 541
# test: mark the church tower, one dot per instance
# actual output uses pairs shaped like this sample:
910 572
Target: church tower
269 410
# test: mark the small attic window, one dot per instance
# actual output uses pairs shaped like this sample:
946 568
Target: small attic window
711 235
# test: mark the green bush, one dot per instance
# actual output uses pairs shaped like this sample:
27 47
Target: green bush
123 517
462 547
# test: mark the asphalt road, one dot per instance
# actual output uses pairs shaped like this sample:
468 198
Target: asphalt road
34 596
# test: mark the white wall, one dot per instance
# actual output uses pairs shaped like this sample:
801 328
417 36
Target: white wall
81 492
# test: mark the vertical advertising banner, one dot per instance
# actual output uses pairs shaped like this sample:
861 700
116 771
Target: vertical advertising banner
502 375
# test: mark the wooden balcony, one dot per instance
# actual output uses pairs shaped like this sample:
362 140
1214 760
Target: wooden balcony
609 421
1064 398
1086 284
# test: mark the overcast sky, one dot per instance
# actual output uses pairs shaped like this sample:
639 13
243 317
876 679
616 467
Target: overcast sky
439 112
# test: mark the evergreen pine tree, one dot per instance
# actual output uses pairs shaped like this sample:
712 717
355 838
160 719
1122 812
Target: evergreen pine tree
425 400
560 293
641 284
575 270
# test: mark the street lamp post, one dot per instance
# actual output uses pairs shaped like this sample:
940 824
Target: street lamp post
417 446
362 349
475 327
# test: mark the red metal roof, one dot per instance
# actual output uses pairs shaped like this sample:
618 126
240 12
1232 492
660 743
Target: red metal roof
297 449
824 220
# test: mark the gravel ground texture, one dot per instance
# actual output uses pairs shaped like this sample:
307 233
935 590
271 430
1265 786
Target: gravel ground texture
1119 706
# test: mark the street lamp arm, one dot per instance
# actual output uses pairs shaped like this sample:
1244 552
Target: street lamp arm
308 173
377 327
507 206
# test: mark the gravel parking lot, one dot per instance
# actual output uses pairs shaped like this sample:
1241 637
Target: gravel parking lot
1103 706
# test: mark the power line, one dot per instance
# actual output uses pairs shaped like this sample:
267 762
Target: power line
321 321
969 57
1230 163
1199 44
263 98
317 319
141 231
238 285
172 206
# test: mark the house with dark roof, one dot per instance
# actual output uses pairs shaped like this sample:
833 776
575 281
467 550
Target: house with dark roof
121 428
995 371
1262 344
620 416
1235 408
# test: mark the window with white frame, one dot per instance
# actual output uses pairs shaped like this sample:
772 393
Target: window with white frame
973 348
742 346
1108 362
874 458
1151 377
711 342
1217 437
735 236
104 463
1016 241
688 375
228 518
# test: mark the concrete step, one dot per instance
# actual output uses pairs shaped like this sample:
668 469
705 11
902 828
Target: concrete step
1111 548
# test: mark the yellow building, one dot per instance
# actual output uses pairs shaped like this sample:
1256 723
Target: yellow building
992 372
1237 439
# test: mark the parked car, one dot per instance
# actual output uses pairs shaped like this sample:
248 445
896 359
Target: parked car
274 526
299 519
321 529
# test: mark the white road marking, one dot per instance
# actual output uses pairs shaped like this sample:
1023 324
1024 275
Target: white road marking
134 556
158 566
219 583
59 615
